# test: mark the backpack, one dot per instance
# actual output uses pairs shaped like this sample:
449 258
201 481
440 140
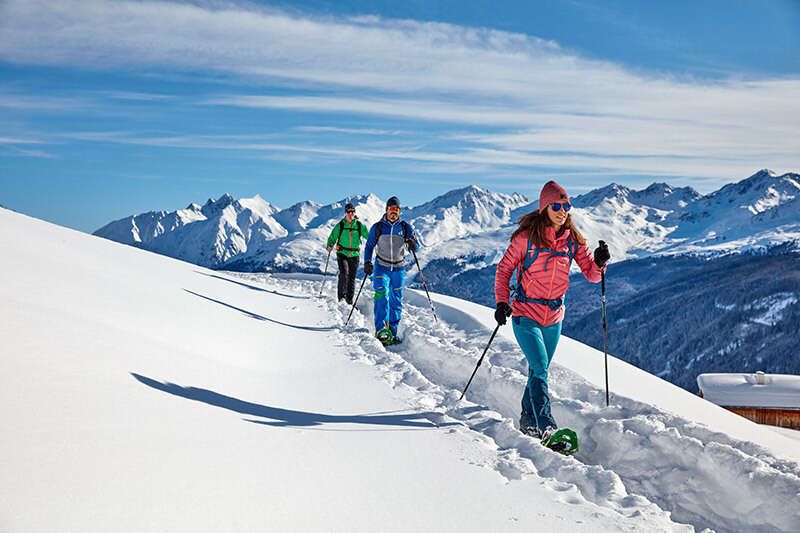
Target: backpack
403 224
406 236
343 229
531 254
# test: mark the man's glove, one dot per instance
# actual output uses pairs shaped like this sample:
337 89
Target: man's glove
368 268
412 245
601 254
502 312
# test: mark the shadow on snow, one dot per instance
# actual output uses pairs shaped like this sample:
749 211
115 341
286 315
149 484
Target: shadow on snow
260 317
253 287
288 417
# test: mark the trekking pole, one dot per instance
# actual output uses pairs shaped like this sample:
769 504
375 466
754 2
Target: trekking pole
424 285
605 349
480 361
324 274
356 300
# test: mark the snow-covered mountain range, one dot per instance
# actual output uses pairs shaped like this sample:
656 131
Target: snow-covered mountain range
474 223
211 234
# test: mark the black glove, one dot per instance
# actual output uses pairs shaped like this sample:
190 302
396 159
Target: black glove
368 268
502 312
412 245
601 254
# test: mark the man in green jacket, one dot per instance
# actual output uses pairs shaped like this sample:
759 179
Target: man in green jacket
346 238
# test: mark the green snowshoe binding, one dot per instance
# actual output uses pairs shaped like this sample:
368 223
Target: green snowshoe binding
563 441
386 336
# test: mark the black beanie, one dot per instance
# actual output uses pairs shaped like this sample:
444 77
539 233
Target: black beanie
349 206
393 201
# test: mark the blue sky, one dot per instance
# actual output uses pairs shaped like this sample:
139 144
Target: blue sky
113 108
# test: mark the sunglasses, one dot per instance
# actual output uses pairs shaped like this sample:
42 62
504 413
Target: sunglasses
557 207
350 211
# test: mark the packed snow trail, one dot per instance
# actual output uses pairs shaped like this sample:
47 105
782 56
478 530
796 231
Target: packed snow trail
634 458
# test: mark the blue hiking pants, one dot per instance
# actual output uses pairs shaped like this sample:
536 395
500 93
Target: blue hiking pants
388 286
538 343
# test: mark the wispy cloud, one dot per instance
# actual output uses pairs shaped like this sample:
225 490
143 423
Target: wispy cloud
463 158
20 147
524 102
16 140
38 103
135 96
350 131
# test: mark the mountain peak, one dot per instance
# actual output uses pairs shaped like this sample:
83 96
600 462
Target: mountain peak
464 192
471 198
473 189
612 189
596 196
764 173
659 187
258 205
756 185
225 198
212 207
665 197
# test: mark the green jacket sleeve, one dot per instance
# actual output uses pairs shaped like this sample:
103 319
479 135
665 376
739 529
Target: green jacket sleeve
332 238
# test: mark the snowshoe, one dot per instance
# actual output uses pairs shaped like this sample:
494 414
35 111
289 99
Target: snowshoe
385 335
563 441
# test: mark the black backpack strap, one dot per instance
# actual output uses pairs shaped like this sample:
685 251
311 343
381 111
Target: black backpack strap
403 224
406 229
341 230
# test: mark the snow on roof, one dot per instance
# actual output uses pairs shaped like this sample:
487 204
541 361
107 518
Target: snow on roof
751 390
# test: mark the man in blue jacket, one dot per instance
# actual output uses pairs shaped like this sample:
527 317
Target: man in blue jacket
390 238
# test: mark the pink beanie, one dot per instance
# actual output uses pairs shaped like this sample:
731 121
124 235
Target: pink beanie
552 193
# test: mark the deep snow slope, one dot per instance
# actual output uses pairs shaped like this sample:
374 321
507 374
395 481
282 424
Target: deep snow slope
141 393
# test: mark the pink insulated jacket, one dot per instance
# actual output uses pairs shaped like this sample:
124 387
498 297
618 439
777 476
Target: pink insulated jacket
547 277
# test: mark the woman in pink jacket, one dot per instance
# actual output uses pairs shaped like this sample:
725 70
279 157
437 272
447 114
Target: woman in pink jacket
541 252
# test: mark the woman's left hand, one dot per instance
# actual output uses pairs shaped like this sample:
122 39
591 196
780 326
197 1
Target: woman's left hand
601 254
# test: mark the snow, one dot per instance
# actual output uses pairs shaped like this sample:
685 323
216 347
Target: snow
745 390
772 307
143 393
209 235
791 433
462 212
259 206
755 214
